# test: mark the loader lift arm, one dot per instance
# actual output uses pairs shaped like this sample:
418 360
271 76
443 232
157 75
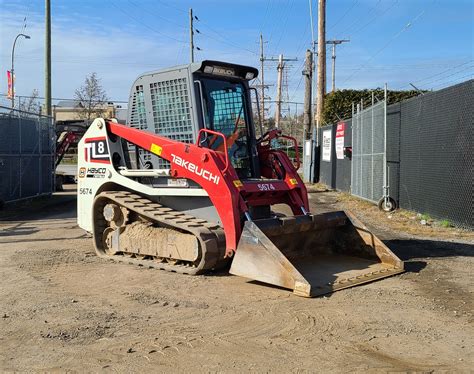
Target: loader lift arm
212 171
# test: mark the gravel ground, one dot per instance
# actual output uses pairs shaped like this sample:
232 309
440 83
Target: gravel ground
64 309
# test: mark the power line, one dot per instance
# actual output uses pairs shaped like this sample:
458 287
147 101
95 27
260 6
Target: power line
88 61
457 80
228 43
222 39
404 28
357 20
345 14
264 23
140 22
284 24
63 99
158 15
172 6
276 25
437 74
447 76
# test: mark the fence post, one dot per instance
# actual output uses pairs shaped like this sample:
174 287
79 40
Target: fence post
40 157
372 149
21 155
385 174
352 145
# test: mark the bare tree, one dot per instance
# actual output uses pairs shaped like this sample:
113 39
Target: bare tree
91 98
30 104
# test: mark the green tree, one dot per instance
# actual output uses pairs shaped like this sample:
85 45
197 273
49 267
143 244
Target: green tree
338 104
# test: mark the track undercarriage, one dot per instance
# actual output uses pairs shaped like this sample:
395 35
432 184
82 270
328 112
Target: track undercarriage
131 228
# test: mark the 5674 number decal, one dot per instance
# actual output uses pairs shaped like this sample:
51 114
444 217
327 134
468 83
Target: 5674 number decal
266 187
85 191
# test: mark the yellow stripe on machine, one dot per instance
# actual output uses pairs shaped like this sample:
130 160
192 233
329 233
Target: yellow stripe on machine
156 149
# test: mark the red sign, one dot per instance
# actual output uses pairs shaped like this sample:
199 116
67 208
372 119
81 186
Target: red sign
340 140
10 84
340 130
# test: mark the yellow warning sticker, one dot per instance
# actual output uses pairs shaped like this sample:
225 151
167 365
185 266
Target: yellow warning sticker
293 181
238 183
156 149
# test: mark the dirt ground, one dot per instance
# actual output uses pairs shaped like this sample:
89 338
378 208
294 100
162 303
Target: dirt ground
64 309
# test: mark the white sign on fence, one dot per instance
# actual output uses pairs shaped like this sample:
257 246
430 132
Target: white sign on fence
340 140
327 134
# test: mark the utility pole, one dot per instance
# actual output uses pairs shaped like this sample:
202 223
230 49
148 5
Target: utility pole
334 43
47 83
262 79
281 65
313 63
321 90
278 98
191 34
308 80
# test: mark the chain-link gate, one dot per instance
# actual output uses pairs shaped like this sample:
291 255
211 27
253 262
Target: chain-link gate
27 152
368 172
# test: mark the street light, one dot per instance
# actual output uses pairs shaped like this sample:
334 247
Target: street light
12 72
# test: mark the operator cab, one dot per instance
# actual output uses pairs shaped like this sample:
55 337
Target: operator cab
225 104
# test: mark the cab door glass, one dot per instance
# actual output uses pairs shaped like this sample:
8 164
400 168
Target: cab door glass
226 112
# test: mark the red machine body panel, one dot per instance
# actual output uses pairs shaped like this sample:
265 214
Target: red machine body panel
213 172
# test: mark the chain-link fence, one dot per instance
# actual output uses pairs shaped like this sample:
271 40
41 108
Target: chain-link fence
423 152
368 152
27 152
437 154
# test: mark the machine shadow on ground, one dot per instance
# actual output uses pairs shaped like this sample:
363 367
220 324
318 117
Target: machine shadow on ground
59 205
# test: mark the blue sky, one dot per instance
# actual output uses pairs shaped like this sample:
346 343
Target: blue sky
429 43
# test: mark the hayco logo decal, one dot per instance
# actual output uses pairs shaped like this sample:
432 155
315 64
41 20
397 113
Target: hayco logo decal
196 169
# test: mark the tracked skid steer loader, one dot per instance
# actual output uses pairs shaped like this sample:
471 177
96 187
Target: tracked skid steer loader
187 186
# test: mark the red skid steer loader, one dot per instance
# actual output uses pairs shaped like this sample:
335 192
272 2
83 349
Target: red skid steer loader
187 186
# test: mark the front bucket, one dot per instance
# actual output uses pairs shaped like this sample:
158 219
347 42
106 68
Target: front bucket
313 255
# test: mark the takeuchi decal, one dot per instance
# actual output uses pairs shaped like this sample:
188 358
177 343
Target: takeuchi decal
193 168
96 150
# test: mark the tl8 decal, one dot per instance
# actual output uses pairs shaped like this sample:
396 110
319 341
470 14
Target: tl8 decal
96 150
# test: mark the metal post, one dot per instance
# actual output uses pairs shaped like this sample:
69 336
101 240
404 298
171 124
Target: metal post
321 89
333 76
372 148
313 71
361 151
352 145
278 100
47 63
40 156
334 43
12 72
191 35
21 156
262 75
385 174
308 147
308 80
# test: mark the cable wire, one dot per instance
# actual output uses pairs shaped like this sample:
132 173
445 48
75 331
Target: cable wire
140 22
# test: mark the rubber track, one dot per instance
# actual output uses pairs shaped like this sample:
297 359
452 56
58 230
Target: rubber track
210 236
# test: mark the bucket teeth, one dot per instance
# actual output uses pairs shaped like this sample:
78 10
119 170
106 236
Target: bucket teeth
313 255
